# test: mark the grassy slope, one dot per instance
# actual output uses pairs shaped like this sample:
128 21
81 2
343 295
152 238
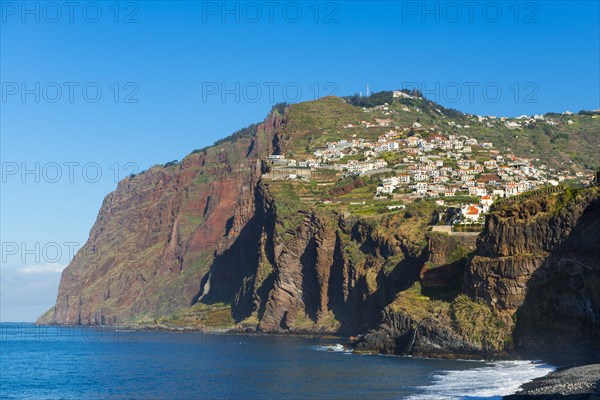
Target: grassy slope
312 124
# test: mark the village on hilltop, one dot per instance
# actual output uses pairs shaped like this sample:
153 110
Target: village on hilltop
450 168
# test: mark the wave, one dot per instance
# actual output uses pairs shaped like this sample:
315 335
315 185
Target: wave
334 347
490 382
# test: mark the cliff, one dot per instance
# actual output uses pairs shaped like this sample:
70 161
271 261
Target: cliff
538 262
532 285
157 234
314 270
212 242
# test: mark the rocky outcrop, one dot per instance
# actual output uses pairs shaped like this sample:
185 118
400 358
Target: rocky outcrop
313 271
502 281
538 262
533 284
400 334
431 318
562 306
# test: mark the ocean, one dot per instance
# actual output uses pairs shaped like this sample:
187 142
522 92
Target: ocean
80 363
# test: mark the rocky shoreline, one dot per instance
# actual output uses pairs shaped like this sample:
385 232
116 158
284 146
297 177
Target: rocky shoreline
573 383
171 328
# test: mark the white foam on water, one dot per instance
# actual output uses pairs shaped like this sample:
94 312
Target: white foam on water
334 347
490 382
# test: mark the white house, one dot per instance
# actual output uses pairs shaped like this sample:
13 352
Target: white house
486 200
471 212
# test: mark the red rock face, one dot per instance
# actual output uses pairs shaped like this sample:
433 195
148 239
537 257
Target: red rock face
207 229
157 234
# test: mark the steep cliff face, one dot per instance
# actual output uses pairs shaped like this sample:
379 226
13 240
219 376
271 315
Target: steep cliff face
538 263
433 317
402 332
312 270
157 234
210 231
211 241
532 284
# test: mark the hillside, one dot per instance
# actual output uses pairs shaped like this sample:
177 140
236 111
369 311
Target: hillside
286 226
550 138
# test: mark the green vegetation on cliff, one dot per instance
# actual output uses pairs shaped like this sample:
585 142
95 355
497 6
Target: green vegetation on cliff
218 240
479 324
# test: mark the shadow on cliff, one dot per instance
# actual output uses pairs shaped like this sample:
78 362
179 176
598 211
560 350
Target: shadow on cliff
310 280
445 282
231 268
233 274
357 308
355 298
561 310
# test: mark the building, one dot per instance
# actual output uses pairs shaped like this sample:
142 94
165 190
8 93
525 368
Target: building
486 200
471 213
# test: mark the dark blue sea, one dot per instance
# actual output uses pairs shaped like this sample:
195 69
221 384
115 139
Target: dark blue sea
76 363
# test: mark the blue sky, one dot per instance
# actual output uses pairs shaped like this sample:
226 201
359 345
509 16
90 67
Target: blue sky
174 77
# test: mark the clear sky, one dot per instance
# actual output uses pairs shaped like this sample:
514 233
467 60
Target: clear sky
114 88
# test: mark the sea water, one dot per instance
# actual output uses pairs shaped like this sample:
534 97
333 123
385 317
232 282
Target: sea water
93 363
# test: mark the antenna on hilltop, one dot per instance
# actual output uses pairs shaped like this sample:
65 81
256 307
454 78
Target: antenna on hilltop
367 90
